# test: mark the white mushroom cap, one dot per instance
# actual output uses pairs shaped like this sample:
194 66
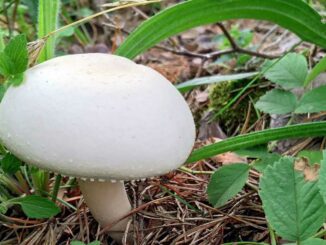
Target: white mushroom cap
97 116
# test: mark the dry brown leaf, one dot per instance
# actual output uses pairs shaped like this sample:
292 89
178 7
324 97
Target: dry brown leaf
310 172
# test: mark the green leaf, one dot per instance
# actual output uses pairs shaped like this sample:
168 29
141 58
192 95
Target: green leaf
3 90
296 16
314 241
38 207
10 164
77 243
313 101
6 65
318 68
16 50
2 43
292 204
265 158
314 157
187 86
48 12
95 243
277 101
322 177
290 72
16 79
258 138
226 182
310 241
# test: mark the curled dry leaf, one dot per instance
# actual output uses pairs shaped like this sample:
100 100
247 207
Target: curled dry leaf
310 171
34 49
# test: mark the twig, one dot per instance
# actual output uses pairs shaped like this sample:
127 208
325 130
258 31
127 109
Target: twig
238 49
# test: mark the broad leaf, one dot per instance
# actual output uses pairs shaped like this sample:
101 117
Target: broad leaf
10 164
277 101
16 79
313 101
16 50
291 200
318 68
297 16
187 86
322 177
258 138
226 182
38 207
6 65
289 72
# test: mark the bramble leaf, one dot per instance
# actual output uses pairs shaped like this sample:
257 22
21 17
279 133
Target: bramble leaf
277 101
289 72
291 199
312 101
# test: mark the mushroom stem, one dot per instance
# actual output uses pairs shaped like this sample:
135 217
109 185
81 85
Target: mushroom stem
108 202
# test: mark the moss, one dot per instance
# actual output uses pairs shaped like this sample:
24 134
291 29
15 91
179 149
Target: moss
235 116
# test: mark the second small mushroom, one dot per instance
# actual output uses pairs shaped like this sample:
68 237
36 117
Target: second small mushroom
101 118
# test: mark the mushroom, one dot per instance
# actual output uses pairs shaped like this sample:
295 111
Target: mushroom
101 118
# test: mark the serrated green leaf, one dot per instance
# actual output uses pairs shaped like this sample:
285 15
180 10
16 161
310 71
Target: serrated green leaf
226 182
10 164
16 50
318 68
6 65
296 16
290 72
38 207
314 157
322 177
188 85
277 101
293 205
16 79
313 101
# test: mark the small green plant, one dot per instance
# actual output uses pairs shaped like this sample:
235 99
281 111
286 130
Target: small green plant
292 191
14 61
289 73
